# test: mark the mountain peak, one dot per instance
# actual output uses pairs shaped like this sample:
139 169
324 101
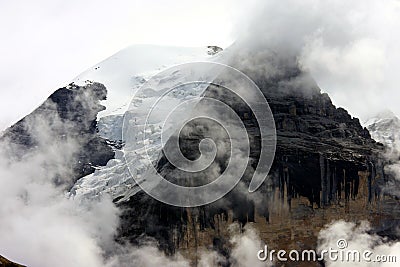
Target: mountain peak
384 127
384 115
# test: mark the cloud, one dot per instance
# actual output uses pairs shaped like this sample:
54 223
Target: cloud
40 225
43 225
245 247
358 238
348 47
147 255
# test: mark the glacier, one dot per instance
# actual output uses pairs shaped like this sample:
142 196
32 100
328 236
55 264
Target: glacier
124 74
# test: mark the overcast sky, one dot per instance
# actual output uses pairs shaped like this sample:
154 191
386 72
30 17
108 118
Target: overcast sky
45 44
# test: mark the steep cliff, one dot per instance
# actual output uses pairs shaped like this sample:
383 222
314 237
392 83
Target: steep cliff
323 155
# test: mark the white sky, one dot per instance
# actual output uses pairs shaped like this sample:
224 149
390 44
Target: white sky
46 43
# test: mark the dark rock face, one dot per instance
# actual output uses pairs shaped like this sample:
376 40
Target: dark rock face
320 151
320 148
212 49
68 114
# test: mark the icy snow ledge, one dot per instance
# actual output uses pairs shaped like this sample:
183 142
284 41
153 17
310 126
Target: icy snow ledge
123 74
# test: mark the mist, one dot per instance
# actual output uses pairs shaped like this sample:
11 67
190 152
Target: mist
358 237
349 48
40 225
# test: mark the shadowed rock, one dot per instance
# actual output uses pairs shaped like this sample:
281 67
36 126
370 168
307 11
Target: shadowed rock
68 115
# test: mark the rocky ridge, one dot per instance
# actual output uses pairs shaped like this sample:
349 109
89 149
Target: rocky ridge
69 114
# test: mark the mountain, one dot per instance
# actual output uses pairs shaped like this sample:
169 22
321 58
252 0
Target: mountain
326 165
324 159
385 128
123 74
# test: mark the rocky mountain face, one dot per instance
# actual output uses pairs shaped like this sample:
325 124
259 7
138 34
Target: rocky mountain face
320 148
324 160
68 115
326 166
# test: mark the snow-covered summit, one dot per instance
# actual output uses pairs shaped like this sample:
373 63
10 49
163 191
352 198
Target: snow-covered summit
123 74
385 128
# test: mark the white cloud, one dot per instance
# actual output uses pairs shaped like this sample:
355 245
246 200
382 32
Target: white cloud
358 239
39 225
350 47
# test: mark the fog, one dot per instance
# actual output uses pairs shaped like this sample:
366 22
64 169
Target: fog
359 238
350 48
40 225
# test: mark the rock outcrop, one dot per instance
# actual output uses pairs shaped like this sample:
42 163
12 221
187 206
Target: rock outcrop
68 116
